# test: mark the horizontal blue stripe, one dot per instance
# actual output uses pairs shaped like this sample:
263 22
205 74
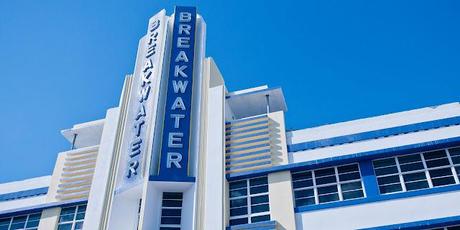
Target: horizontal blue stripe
423 224
24 194
265 225
246 148
248 142
246 136
385 197
246 130
38 208
374 134
233 127
249 165
248 160
163 178
349 158
245 119
246 154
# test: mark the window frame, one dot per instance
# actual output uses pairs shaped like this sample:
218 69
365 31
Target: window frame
426 170
248 197
11 218
338 184
74 220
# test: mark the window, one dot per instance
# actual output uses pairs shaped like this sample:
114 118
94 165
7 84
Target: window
327 185
171 209
249 201
24 222
71 218
418 171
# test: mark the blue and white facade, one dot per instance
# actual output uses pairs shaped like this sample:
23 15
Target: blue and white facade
182 152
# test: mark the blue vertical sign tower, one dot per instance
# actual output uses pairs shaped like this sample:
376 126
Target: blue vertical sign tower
175 145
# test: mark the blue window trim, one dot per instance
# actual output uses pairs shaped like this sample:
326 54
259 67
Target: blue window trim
163 178
264 225
424 224
385 197
374 134
38 208
23 194
350 158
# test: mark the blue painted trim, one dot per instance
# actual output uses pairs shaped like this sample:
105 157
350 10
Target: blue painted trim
247 142
246 136
249 165
23 194
248 160
246 154
38 208
423 224
245 119
369 179
178 179
385 197
374 134
264 225
350 158
252 92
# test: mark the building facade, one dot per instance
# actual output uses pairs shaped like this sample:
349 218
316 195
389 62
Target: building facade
182 152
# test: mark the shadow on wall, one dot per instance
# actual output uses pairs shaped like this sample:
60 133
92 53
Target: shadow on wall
276 147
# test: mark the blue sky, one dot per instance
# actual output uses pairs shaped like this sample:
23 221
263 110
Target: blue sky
63 62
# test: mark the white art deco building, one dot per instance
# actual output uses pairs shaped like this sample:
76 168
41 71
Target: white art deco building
182 152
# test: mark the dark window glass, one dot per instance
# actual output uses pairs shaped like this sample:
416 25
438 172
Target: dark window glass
440 172
170 220
256 219
304 193
384 163
414 176
349 176
416 185
239 221
305 201
326 180
172 203
324 172
79 226
239 192
238 202
259 199
172 196
437 163
65 227
302 183
171 212
301 175
259 208
456 160
458 169
454 228
434 154
387 170
351 186
411 167
259 189
67 217
390 188
443 181
348 168
237 184
258 181
388 180
352 194
328 198
169 228
409 159
454 151
238 211
327 189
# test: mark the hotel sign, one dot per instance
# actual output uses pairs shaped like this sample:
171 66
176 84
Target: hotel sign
175 146
145 86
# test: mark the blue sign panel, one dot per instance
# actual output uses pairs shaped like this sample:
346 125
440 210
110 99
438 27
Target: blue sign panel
175 146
